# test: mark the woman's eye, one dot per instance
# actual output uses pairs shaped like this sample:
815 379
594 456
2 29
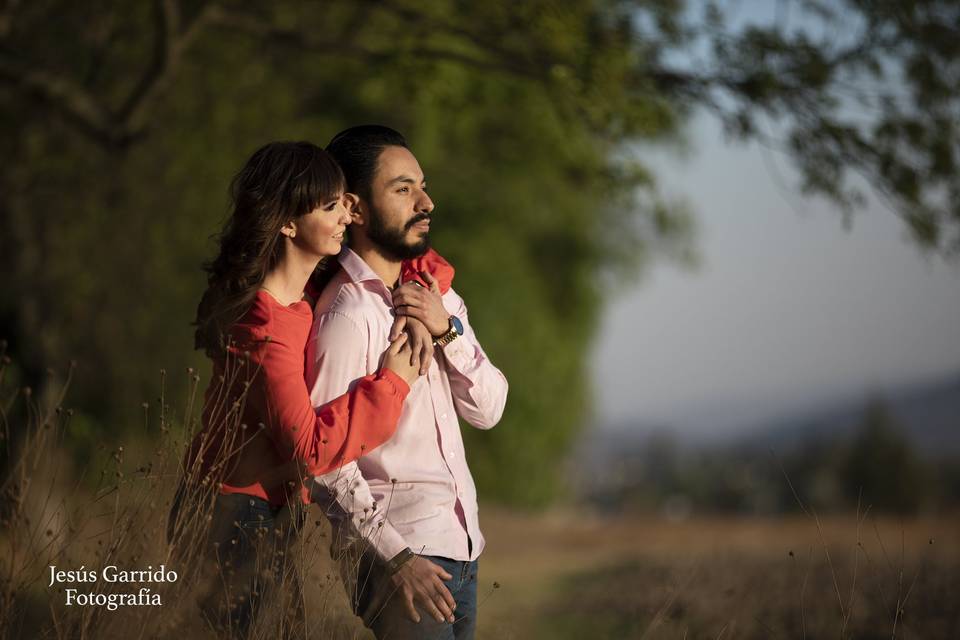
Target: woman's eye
331 206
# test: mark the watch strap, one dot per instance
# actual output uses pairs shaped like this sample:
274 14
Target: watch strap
451 335
397 561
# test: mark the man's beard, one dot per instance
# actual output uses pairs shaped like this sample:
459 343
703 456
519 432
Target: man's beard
392 243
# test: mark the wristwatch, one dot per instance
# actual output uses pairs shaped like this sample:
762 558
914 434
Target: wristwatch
454 332
397 561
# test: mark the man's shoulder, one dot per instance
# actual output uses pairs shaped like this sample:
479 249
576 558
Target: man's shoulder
345 297
453 302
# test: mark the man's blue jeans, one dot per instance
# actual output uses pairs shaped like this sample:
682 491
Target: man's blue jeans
386 614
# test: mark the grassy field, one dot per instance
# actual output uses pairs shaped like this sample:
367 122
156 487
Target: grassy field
562 575
559 575
567 576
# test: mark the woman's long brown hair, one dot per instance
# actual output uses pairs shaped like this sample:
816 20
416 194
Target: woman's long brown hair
279 183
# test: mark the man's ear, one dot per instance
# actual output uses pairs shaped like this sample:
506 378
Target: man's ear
355 207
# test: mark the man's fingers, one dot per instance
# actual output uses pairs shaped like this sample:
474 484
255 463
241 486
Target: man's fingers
411 610
447 597
440 571
409 299
414 356
434 604
399 324
430 280
418 349
414 312
404 290
426 356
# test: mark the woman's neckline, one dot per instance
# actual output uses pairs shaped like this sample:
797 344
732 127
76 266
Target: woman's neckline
279 303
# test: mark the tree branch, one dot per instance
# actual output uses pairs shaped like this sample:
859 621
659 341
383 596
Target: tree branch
84 109
348 45
172 41
67 97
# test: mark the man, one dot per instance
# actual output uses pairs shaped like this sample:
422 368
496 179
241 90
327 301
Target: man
411 503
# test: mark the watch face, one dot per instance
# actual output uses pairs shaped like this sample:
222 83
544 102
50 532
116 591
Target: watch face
455 321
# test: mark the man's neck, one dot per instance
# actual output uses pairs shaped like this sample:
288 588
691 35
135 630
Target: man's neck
387 268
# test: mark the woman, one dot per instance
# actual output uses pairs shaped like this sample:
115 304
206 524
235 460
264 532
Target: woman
261 436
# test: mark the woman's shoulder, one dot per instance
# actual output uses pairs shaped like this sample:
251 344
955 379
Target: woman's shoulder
269 321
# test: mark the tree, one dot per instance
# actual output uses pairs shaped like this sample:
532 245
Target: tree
881 469
124 121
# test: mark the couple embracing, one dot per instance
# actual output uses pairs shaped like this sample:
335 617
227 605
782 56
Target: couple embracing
341 369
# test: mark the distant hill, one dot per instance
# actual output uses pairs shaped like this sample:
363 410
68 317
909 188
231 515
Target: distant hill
647 466
928 413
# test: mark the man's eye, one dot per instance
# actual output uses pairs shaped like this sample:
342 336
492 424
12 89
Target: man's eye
403 190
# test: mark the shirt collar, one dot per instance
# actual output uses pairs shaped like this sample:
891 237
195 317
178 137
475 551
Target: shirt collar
360 271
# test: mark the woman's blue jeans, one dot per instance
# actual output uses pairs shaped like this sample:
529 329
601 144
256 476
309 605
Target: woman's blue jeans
247 573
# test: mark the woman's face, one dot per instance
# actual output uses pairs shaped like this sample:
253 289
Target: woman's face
320 232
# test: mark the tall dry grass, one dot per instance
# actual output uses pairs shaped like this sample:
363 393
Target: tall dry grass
579 577
82 517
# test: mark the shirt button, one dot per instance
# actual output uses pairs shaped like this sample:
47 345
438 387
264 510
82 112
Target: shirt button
443 416
453 455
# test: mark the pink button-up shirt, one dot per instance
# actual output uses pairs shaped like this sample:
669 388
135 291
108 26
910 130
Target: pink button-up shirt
415 490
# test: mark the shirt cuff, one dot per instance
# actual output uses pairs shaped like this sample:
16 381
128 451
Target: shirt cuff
459 354
399 384
386 540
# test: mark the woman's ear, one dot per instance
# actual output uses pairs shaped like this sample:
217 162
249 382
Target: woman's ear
355 208
289 229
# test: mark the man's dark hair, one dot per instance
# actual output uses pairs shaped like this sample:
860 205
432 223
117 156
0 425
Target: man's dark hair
357 150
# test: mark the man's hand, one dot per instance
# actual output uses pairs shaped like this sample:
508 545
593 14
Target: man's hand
419 339
415 301
420 583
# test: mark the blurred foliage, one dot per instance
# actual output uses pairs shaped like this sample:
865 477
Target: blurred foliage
123 123
881 467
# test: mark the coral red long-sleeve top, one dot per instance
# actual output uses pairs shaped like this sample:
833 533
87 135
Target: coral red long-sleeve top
261 435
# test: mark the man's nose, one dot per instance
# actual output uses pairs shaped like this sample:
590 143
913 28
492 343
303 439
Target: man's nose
425 204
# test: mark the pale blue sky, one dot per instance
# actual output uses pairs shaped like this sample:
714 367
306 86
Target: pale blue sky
788 308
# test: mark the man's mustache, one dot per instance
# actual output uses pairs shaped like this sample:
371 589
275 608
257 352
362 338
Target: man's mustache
420 217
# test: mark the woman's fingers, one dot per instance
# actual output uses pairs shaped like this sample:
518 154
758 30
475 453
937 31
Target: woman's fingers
399 324
397 344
